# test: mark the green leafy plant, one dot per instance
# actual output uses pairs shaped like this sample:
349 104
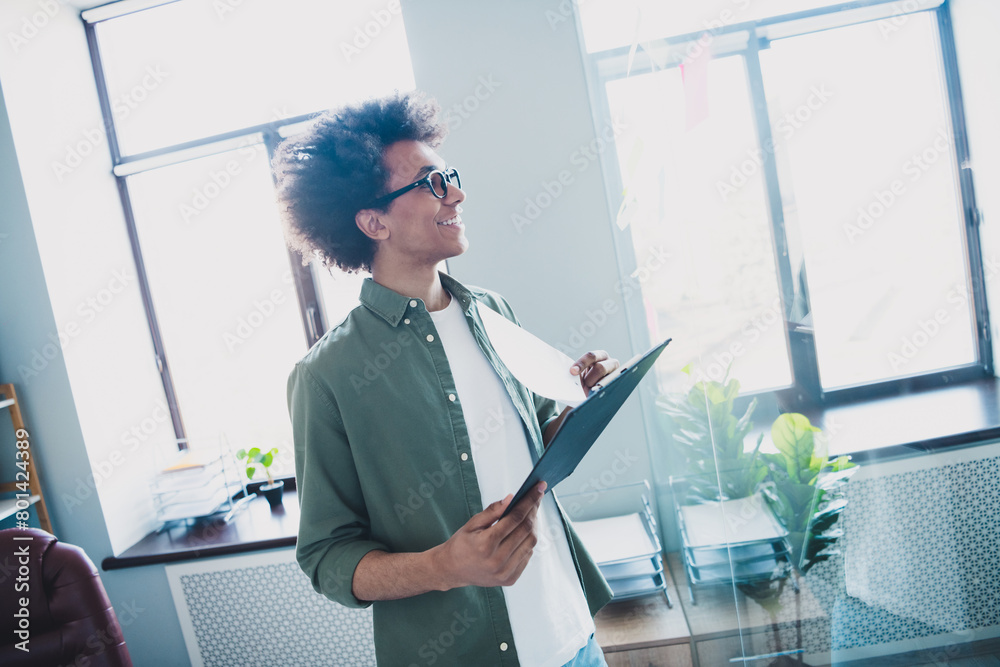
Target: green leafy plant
254 457
805 488
709 437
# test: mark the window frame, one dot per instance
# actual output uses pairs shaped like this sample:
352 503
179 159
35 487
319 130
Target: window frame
312 311
746 40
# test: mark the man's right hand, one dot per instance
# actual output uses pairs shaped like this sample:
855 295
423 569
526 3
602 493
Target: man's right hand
490 551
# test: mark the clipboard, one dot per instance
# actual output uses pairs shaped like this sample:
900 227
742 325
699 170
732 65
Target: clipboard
585 423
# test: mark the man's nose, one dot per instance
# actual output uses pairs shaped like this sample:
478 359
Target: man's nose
456 195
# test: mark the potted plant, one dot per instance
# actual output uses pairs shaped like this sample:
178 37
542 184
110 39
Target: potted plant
803 487
709 437
806 488
254 457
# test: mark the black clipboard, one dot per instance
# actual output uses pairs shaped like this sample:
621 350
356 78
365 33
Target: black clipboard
585 423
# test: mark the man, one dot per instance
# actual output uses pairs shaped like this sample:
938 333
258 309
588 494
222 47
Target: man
409 431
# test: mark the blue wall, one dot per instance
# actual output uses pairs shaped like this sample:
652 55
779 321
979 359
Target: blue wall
140 596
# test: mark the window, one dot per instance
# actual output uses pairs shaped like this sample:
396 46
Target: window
195 97
807 174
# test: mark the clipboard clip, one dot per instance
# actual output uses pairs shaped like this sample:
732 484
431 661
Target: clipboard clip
609 378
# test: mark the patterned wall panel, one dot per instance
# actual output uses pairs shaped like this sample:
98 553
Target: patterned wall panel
920 556
919 566
260 609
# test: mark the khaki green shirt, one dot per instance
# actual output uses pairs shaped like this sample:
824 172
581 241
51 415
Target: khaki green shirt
383 460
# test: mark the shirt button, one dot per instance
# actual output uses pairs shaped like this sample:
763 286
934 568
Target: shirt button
413 303
465 457
430 338
406 321
503 646
451 397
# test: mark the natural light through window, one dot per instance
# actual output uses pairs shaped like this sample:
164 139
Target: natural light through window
247 64
223 295
807 190
719 288
869 179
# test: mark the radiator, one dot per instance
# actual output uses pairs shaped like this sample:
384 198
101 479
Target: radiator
260 609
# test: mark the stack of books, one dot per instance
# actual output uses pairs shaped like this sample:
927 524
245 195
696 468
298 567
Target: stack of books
192 487
737 541
628 552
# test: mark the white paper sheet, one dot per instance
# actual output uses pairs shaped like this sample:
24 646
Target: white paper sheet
537 365
615 538
739 521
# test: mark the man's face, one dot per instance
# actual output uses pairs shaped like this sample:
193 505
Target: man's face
414 219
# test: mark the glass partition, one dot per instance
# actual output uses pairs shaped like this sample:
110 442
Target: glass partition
825 465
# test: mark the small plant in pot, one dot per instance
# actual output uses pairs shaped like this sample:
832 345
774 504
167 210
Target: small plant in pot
254 458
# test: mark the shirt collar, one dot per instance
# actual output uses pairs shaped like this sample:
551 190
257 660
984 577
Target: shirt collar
391 305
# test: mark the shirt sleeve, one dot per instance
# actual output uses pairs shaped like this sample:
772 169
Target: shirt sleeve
334 530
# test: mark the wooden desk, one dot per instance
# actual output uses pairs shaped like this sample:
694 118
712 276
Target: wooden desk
726 624
720 626
644 631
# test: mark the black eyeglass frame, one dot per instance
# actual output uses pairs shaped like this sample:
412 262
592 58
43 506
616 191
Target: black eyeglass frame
447 176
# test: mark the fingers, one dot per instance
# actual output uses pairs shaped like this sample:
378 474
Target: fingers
523 535
518 563
520 512
523 564
489 516
517 548
491 551
524 530
593 366
587 360
598 371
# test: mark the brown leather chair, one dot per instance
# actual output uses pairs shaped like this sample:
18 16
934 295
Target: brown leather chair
70 619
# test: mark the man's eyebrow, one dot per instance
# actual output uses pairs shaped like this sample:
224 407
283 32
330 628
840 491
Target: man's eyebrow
426 169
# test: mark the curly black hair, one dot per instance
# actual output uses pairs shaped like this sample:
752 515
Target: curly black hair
328 173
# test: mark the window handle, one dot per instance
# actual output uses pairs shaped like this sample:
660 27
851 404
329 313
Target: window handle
313 323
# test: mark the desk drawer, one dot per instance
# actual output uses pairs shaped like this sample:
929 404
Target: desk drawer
677 655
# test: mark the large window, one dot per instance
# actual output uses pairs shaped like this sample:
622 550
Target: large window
196 96
806 172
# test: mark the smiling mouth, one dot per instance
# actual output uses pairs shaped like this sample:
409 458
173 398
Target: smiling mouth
451 222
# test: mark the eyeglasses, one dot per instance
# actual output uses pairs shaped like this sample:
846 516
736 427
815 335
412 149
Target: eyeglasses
436 181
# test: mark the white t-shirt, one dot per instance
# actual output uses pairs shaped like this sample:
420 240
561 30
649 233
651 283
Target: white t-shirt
548 612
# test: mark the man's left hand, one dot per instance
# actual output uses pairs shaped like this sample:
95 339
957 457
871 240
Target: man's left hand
591 367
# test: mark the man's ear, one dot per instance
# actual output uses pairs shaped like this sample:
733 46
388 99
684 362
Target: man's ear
370 225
